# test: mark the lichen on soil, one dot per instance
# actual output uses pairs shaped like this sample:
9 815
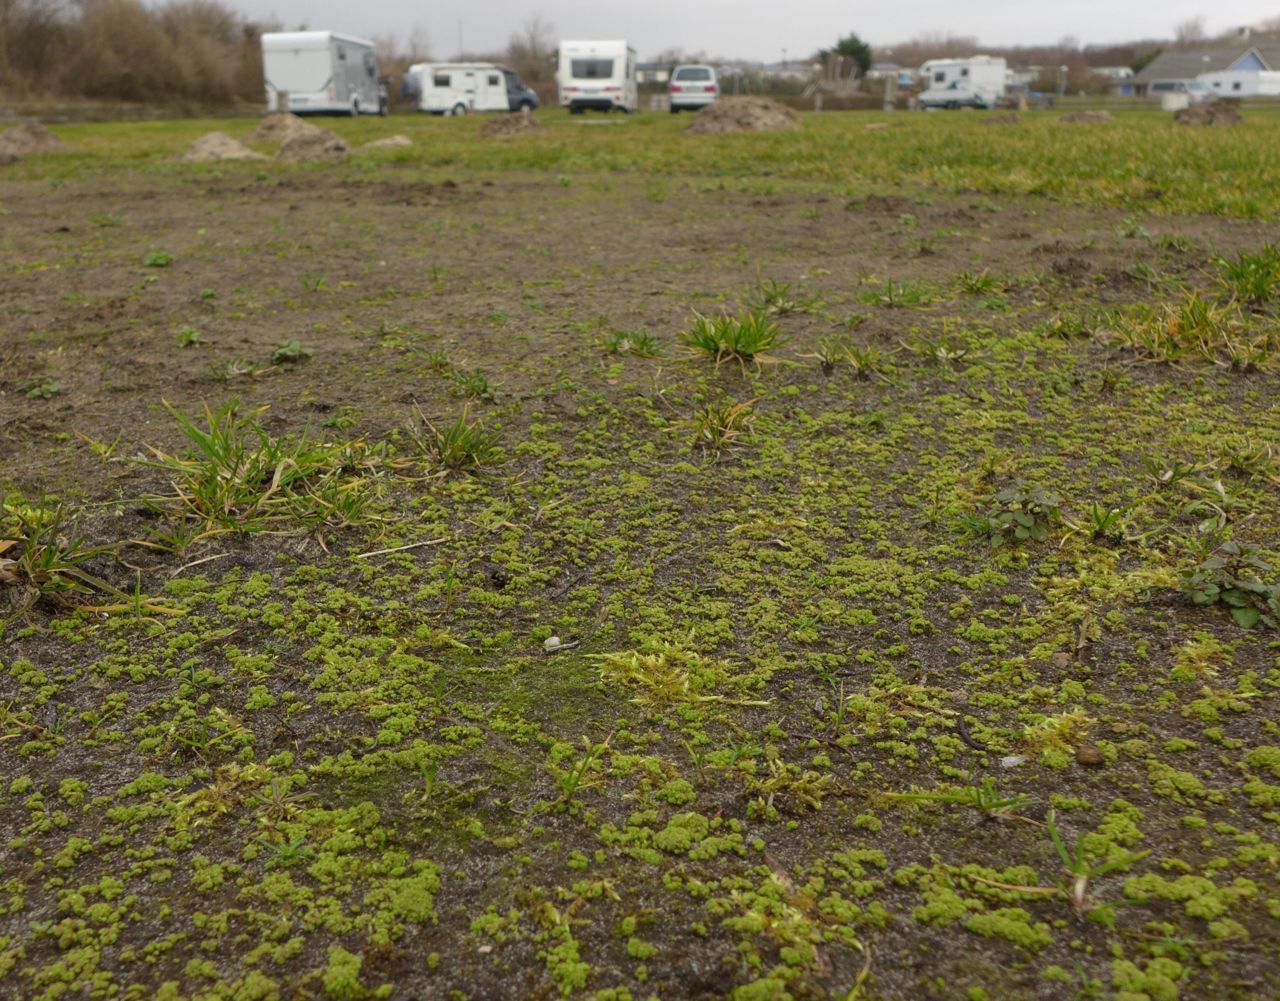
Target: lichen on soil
883 669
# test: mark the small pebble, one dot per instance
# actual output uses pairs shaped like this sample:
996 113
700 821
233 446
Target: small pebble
1061 659
1089 756
551 644
1012 761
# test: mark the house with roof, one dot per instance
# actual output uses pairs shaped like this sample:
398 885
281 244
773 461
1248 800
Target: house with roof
1240 68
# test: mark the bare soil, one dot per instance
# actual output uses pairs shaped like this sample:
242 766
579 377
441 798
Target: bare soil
743 114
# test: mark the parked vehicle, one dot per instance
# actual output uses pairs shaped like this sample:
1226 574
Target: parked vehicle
976 82
1194 91
598 75
322 73
692 87
461 88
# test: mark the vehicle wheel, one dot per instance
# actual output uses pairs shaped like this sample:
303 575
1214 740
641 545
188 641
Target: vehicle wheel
355 106
458 110
574 111
525 106
383 108
675 110
625 111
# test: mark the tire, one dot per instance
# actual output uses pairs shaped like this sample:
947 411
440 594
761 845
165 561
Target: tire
525 106
383 108
575 111
355 107
458 110
675 110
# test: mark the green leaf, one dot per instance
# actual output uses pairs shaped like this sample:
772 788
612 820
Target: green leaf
1246 617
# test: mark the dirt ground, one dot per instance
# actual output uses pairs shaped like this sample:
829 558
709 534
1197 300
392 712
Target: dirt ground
336 772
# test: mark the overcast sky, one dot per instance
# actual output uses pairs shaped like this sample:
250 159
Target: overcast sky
755 29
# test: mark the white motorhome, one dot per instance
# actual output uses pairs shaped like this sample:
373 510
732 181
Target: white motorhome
461 88
976 82
599 75
321 73
1242 83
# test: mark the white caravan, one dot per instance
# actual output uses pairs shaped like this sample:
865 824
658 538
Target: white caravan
460 88
1242 83
976 82
599 75
322 73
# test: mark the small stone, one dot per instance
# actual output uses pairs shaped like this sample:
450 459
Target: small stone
1061 659
1089 756
551 644
1012 761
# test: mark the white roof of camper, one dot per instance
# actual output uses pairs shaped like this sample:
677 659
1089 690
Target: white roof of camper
608 45
308 39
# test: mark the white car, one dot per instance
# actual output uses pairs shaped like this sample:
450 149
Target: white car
692 87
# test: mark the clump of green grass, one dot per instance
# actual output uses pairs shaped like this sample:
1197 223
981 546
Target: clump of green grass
742 338
1251 278
473 385
1194 329
774 298
231 369
44 387
157 259
188 337
665 674
640 343
462 444
236 476
290 352
896 295
38 555
718 426
981 283
838 352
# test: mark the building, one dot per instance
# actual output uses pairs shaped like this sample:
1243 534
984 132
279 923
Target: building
1176 69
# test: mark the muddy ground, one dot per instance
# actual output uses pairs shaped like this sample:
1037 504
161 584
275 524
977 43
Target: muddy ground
337 774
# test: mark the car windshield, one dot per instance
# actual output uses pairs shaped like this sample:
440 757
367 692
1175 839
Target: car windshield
591 69
693 73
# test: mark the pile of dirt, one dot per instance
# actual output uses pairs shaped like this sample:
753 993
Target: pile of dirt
313 145
391 142
8 158
1003 118
1086 117
279 126
743 114
216 146
1209 113
506 126
30 138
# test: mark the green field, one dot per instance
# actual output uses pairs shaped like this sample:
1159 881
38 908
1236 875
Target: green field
612 563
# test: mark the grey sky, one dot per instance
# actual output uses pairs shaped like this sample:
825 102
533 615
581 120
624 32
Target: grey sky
755 29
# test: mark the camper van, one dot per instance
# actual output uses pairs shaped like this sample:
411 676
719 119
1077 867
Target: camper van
321 73
976 82
599 75
461 88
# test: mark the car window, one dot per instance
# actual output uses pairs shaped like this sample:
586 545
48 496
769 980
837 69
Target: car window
693 73
591 69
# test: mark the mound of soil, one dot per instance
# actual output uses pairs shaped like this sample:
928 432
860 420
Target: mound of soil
215 146
8 158
743 114
280 126
312 145
391 142
1086 117
1003 118
1209 113
506 126
29 138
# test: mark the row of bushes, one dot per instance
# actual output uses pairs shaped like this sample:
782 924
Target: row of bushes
191 50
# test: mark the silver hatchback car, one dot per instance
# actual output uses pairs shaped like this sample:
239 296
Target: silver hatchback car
692 87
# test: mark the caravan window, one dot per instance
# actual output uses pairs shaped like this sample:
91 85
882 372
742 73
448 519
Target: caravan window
370 66
964 71
591 69
494 79
440 80
939 76
342 53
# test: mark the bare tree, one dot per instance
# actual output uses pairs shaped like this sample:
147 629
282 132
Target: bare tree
531 50
1189 31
